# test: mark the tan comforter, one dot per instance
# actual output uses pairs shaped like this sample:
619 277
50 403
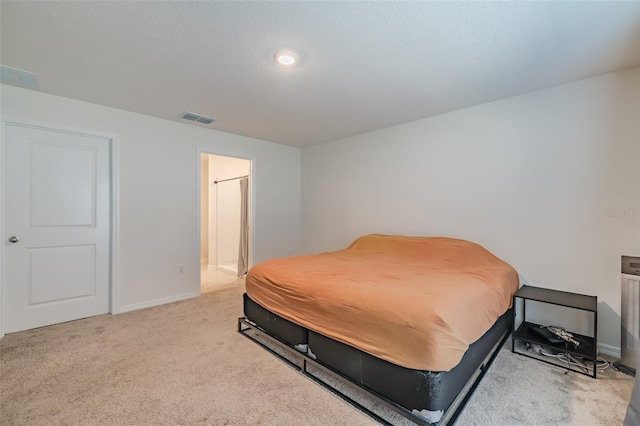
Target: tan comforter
417 302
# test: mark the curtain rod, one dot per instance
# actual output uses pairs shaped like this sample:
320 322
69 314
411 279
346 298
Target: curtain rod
224 180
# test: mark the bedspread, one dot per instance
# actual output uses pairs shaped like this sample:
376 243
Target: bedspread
417 302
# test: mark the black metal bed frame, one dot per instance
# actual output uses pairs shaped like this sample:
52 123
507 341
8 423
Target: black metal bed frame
449 417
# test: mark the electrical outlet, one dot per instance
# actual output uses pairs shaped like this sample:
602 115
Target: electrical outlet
180 268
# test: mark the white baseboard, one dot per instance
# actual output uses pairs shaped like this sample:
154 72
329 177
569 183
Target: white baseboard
231 271
157 302
613 351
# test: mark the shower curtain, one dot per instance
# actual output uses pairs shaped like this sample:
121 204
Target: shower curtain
243 252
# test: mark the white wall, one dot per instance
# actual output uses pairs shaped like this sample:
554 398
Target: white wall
533 178
158 163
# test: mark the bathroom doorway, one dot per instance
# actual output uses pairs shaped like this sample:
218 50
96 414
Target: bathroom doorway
225 221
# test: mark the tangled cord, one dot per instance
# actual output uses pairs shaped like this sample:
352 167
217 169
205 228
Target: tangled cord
579 362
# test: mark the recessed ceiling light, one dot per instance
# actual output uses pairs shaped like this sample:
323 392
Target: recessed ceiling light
286 58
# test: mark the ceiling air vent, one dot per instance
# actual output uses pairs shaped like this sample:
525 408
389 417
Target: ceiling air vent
197 118
19 78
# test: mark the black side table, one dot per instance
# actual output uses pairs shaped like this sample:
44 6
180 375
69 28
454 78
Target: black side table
588 348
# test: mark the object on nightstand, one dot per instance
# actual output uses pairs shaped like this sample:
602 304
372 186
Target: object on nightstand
563 334
544 332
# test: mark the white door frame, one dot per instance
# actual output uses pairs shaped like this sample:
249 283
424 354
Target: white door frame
252 204
114 305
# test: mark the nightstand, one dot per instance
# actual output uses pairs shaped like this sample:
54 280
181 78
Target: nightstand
525 331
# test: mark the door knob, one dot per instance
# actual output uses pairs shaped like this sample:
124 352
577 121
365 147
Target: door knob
14 239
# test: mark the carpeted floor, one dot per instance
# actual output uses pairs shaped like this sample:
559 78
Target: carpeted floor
185 364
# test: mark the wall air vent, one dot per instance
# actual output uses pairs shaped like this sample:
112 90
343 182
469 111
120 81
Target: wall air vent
197 118
19 78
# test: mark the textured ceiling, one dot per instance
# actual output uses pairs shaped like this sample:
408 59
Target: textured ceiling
363 65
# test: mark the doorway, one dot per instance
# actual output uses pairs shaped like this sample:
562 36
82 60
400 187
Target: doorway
225 220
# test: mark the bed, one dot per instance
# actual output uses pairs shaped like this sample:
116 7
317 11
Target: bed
413 321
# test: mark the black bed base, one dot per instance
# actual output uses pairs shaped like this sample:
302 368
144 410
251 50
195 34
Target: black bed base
397 388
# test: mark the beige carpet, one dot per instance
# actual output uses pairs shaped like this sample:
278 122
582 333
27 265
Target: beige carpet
185 364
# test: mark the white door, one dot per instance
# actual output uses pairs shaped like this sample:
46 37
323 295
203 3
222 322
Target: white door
57 226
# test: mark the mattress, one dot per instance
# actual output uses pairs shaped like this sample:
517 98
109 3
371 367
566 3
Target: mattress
417 302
